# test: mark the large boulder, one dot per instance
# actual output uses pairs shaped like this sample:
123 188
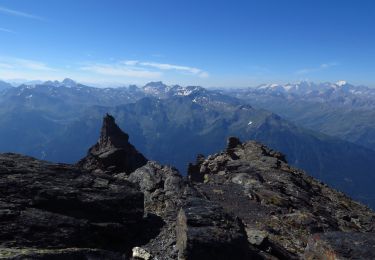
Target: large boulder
205 231
162 186
164 192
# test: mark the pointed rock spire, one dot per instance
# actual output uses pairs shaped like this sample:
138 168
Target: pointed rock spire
112 153
111 135
233 142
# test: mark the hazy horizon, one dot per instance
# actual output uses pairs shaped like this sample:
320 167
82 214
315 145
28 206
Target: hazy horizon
18 82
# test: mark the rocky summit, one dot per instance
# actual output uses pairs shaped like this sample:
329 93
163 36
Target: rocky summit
245 202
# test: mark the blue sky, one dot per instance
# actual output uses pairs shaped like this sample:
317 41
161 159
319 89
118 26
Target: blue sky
209 43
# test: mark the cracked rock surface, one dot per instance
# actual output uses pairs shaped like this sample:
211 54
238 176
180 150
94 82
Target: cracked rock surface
281 207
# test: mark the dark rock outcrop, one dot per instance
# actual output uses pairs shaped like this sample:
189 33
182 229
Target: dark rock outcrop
112 153
165 192
59 254
193 227
233 142
193 171
162 187
341 245
49 206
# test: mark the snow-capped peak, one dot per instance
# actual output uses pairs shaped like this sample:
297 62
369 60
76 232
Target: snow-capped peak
274 85
156 89
341 83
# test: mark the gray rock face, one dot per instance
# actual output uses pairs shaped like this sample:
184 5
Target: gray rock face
281 207
165 192
205 231
162 187
59 254
193 227
112 153
341 245
47 206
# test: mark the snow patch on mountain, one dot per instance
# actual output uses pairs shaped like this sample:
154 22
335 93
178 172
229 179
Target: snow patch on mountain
341 83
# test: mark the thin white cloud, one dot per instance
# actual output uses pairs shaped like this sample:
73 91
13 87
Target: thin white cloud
157 55
13 12
258 68
23 64
166 66
128 71
323 66
140 69
130 62
328 65
203 74
6 30
15 69
6 66
119 70
31 64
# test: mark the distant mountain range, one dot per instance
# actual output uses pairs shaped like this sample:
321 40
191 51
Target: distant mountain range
4 85
336 94
336 109
58 120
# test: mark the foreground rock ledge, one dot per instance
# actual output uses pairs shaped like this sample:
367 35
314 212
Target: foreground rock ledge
46 206
281 207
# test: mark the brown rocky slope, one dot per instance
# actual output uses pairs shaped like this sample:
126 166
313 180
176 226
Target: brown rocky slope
243 203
